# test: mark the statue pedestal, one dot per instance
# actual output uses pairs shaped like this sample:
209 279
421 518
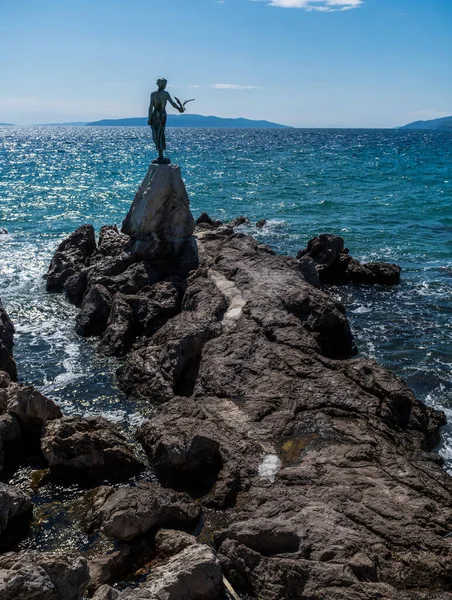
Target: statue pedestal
159 221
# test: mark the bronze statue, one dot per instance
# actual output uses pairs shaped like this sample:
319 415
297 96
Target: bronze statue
157 117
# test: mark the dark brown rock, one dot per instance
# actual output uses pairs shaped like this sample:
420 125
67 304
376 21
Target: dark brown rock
261 223
14 505
334 264
32 409
70 257
119 333
89 448
134 511
94 311
239 221
42 576
7 363
75 287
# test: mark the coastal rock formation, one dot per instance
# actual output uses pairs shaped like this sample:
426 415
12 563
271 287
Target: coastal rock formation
7 362
335 265
132 512
89 448
70 257
159 221
313 471
32 409
42 576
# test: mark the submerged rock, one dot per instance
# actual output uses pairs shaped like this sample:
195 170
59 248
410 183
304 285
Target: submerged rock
3 231
42 576
89 448
335 265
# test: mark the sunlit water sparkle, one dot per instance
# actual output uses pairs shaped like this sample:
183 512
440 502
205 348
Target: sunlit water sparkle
387 192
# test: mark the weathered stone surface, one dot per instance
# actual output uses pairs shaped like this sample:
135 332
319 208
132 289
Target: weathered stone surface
131 280
334 264
70 257
31 408
159 220
306 266
7 363
133 511
111 241
168 542
261 223
75 287
94 312
239 221
42 576
193 574
105 592
88 448
108 567
326 462
14 504
119 333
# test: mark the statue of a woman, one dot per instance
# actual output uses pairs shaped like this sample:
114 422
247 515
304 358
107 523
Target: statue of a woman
157 118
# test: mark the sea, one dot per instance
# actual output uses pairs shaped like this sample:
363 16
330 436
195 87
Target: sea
388 193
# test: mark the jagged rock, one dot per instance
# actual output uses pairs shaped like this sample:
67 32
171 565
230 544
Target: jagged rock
88 448
133 279
334 264
119 333
159 221
75 287
3 231
70 257
42 576
385 273
132 512
239 221
108 567
94 311
261 223
14 505
204 219
306 266
31 408
10 437
168 542
7 363
105 592
111 241
193 574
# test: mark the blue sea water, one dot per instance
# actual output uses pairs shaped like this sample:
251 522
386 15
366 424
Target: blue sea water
387 192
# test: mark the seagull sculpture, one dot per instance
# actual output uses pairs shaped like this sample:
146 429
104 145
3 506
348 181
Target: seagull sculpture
182 105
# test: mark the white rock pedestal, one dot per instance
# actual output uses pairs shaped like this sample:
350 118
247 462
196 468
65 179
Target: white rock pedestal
159 221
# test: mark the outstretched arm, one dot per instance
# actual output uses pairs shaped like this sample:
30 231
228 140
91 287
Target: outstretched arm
174 105
151 109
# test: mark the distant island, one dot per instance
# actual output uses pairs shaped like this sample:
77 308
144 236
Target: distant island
443 123
187 120
6 124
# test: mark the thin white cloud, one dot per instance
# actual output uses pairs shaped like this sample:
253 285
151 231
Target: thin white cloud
195 85
233 86
317 5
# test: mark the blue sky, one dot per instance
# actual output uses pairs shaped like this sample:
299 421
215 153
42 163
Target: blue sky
307 63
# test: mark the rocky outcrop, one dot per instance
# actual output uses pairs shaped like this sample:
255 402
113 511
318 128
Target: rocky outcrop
159 221
334 264
31 408
134 511
7 362
89 448
321 464
42 576
71 255
193 574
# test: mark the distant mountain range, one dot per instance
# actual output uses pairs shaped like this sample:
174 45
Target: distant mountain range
71 124
444 123
190 121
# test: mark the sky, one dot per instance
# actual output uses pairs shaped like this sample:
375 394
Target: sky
305 63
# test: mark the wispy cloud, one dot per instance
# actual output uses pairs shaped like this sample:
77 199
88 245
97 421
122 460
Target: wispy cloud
195 85
317 5
233 86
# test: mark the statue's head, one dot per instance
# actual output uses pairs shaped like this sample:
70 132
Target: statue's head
161 84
